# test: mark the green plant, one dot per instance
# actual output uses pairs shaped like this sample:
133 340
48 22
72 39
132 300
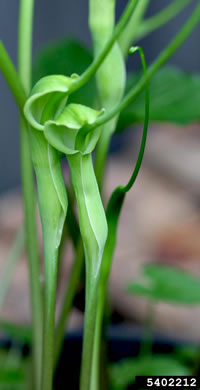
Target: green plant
68 114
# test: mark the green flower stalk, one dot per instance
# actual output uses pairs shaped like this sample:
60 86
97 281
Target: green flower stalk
111 76
52 201
63 135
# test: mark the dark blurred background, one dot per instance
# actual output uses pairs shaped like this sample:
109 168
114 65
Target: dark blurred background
58 19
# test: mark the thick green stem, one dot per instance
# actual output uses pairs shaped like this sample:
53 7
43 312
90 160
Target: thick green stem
93 227
130 32
51 268
24 58
89 335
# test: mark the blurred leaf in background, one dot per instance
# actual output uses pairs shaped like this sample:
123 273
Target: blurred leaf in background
123 373
174 97
168 284
20 333
188 354
66 57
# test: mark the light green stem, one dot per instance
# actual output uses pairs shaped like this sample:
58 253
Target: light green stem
24 59
129 34
89 336
51 269
12 78
93 229
161 18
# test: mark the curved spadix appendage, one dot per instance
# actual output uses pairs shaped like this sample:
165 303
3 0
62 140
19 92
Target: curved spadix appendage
47 100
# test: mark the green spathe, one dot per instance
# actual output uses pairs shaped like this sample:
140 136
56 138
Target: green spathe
47 99
62 133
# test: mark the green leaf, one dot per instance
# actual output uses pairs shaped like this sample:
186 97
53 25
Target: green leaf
174 97
66 57
123 373
164 283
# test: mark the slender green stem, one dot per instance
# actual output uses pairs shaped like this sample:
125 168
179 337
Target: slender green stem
10 265
161 18
129 34
91 70
89 334
24 58
162 58
51 268
9 72
25 43
70 291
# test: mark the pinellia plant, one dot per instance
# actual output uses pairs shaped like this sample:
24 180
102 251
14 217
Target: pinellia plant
55 121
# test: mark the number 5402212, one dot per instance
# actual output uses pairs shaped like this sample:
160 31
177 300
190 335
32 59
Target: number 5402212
168 382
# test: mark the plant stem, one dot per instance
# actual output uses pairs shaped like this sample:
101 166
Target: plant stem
93 228
162 58
90 71
51 268
89 333
130 32
24 58
68 298
161 18
10 265
8 70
